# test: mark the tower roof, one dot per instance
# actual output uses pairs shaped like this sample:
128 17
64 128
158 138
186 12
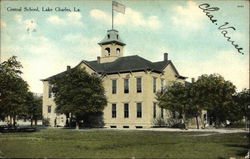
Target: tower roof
112 37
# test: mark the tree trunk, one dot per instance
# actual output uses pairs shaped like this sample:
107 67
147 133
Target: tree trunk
35 121
197 122
185 122
67 122
31 122
55 122
11 120
70 122
14 120
202 120
77 122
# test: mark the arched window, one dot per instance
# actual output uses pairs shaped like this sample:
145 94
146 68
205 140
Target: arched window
118 50
107 51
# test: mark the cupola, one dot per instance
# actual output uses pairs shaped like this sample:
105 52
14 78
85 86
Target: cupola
112 47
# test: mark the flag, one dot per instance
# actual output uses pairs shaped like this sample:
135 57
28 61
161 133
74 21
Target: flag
118 7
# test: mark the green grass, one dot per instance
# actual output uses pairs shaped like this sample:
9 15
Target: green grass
63 143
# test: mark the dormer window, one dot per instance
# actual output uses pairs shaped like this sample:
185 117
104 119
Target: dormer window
117 36
118 50
107 51
108 36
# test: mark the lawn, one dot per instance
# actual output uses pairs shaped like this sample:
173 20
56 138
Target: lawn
63 143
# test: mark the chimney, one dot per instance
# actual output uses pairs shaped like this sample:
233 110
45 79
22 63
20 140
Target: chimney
98 59
68 67
192 80
165 56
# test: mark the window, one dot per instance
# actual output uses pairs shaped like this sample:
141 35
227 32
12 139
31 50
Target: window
162 111
154 110
50 91
138 85
126 110
139 110
154 84
108 36
113 86
107 51
112 126
125 126
113 110
162 84
118 50
126 86
49 108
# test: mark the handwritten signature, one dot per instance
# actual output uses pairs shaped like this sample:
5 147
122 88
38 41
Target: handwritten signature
224 27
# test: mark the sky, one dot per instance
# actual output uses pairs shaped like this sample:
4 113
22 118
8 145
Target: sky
45 42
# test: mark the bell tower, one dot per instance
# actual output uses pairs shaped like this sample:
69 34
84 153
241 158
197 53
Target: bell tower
112 47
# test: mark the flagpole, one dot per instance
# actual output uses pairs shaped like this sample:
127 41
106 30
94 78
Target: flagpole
112 16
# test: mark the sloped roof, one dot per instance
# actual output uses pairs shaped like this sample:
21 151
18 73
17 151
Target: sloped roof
127 64
112 37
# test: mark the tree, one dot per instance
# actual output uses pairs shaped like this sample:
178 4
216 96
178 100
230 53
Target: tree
13 89
215 94
242 100
176 98
210 92
33 108
78 93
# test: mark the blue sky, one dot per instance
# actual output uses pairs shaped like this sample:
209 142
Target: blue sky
149 28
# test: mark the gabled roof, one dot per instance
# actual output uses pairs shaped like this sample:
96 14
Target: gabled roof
127 64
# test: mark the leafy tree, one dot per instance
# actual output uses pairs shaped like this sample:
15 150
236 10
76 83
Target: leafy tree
33 108
210 92
78 93
176 98
13 89
242 100
215 94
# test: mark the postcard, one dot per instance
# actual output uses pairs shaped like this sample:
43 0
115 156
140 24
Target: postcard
140 50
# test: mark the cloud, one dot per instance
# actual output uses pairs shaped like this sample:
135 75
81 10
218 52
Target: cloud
130 18
36 69
42 57
100 15
71 18
189 17
54 19
154 22
227 63
74 16
80 44
9 50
